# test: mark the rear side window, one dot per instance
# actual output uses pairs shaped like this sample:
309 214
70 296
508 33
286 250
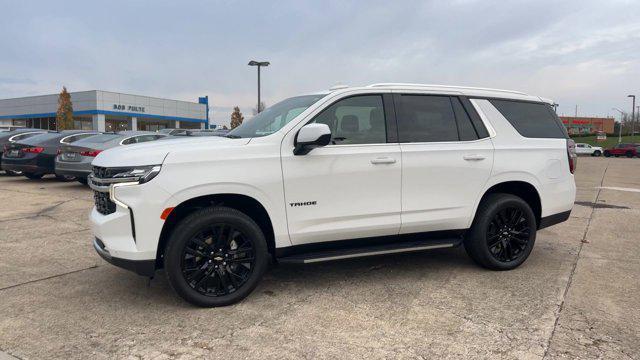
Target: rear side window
425 118
532 120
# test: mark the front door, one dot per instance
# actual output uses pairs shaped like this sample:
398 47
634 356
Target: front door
350 188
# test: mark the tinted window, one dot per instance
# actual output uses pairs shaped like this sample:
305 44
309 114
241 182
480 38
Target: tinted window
465 127
38 138
534 120
73 138
426 119
355 120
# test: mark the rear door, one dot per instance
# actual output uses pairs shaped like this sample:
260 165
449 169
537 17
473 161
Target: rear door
446 160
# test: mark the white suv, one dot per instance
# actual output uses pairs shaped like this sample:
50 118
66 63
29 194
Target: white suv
360 171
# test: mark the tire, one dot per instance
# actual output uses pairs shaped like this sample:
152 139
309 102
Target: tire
33 176
207 280
629 154
607 153
510 247
597 153
12 173
65 177
82 180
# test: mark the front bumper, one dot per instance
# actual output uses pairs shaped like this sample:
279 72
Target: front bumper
131 232
140 267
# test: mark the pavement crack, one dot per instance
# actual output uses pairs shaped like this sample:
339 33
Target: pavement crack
48 278
573 269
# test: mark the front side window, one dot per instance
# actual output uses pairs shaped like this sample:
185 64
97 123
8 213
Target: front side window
426 118
355 120
274 117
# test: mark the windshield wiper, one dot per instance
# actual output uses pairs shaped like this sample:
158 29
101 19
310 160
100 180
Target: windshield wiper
231 136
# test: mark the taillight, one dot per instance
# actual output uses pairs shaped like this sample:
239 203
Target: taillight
33 150
90 153
571 155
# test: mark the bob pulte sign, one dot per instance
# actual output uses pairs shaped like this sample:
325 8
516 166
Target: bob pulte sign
119 107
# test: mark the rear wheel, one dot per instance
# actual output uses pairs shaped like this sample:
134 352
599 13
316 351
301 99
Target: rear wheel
629 154
33 176
597 153
82 180
607 153
12 173
503 232
215 257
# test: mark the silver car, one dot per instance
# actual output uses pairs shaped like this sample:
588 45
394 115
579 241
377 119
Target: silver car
75 160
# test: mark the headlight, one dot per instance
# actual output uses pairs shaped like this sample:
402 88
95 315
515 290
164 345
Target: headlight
142 174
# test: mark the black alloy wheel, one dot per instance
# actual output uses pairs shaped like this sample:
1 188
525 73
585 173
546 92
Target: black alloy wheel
215 256
503 232
33 176
508 234
218 261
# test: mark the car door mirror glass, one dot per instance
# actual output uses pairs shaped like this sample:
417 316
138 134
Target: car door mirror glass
312 136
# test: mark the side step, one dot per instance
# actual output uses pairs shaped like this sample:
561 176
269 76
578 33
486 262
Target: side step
371 250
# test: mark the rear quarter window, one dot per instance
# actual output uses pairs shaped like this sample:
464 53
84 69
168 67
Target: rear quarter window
532 120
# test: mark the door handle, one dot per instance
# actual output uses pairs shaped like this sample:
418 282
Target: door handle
474 157
383 160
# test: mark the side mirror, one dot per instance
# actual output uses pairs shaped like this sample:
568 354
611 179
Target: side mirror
310 137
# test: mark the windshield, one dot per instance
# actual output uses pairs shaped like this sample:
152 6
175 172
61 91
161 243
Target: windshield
275 117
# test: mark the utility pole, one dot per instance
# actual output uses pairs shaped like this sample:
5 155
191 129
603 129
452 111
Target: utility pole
576 111
633 118
620 125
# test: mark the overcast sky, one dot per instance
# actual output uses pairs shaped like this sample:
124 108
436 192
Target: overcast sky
584 53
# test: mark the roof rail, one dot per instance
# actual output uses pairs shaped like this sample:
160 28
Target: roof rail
446 86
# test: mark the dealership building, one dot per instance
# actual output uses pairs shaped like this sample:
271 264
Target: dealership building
106 111
588 125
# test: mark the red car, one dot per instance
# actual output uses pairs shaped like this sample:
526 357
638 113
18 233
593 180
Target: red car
623 149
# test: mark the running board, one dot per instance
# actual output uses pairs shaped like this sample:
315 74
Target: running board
372 250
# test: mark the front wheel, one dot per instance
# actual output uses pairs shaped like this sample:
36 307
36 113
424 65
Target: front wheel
65 177
33 176
215 257
502 234
629 154
607 153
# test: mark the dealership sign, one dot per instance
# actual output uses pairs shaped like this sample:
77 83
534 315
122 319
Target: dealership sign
128 108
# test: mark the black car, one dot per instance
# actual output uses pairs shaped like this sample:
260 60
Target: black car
35 156
7 137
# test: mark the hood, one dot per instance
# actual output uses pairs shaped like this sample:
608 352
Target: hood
154 152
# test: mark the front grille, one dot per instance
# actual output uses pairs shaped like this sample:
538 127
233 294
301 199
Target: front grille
103 172
104 205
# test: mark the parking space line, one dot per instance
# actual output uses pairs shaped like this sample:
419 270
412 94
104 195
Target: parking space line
48 277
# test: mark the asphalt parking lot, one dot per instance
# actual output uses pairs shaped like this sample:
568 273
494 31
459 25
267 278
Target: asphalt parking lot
577 296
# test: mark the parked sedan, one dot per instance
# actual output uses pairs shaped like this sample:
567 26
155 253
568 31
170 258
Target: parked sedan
35 156
75 159
586 149
8 137
623 149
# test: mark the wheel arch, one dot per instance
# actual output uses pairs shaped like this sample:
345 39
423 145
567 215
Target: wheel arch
244 203
520 188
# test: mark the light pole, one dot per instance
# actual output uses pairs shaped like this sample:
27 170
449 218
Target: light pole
633 118
259 64
620 126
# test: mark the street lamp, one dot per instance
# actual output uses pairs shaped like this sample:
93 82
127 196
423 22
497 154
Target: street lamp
633 117
620 126
258 64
